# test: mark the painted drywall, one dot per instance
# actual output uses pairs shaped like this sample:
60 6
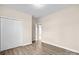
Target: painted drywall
62 28
17 15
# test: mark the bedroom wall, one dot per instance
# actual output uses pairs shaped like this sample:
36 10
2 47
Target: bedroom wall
62 28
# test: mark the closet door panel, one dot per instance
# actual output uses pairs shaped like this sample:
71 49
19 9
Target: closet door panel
0 34
12 33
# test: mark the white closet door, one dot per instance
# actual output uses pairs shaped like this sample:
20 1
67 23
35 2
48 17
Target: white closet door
0 34
11 33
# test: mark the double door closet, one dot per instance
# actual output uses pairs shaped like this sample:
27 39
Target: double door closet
11 33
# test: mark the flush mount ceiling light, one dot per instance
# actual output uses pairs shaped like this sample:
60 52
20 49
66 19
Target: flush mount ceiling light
38 5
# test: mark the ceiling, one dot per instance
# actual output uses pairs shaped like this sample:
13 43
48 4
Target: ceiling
37 12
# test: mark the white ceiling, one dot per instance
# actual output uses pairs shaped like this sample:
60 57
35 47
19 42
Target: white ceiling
37 12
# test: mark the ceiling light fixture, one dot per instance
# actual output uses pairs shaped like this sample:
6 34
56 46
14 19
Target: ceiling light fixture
38 5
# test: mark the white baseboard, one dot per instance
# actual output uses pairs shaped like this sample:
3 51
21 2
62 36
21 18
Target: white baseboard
16 46
26 44
62 47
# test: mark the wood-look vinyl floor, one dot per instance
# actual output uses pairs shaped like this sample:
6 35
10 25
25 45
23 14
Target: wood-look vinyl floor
38 48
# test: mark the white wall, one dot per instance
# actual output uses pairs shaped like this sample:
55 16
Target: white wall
27 18
62 28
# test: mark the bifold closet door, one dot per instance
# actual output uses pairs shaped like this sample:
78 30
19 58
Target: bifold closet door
0 34
11 33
